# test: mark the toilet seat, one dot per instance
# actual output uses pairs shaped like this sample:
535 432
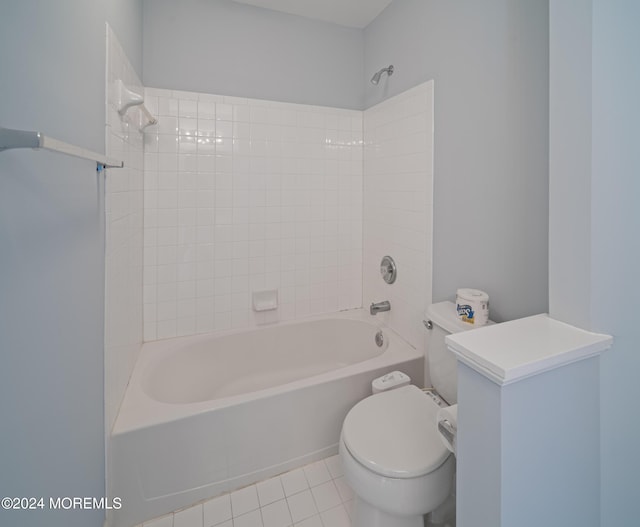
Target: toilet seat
394 433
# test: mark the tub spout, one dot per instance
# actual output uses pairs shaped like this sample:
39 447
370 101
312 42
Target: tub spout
380 306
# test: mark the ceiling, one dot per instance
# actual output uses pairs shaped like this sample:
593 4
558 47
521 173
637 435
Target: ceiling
351 13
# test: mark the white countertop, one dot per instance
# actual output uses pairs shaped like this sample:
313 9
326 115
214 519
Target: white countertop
511 351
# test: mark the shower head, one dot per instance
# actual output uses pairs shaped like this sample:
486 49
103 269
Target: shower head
376 78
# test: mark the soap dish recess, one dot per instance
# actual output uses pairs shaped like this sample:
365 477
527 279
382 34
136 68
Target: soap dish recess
265 300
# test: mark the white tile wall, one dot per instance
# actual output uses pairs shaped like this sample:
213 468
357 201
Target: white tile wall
243 195
124 234
398 204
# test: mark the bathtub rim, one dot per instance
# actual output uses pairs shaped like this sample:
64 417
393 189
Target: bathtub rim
139 410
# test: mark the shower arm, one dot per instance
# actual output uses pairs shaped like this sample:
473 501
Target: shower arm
376 77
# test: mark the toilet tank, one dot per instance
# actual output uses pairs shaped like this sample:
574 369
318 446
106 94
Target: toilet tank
443 370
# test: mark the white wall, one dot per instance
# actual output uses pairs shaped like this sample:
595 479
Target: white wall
606 81
125 18
227 48
398 207
244 195
51 232
615 250
570 145
489 61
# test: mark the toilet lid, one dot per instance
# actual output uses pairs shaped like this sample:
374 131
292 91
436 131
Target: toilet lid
394 433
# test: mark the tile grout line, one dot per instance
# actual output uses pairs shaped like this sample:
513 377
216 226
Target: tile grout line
285 497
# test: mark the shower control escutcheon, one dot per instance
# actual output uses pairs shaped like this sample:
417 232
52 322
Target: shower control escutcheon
388 269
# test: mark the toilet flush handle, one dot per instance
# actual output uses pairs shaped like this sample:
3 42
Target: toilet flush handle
447 430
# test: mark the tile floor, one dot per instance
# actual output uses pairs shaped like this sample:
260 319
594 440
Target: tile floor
312 496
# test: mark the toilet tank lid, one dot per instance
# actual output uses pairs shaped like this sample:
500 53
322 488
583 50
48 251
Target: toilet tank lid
444 315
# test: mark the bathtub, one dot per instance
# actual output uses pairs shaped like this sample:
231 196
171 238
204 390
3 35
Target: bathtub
209 414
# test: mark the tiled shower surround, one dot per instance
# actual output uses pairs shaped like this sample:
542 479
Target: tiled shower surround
398 206
244 195
124 233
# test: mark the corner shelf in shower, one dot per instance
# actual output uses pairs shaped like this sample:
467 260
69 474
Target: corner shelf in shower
10 139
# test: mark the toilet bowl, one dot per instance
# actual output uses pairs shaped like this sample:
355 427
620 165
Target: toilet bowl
394 460
391 452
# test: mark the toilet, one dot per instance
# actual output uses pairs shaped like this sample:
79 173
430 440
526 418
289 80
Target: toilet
392 455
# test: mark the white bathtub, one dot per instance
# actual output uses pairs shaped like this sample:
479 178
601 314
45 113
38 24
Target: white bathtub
208 414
